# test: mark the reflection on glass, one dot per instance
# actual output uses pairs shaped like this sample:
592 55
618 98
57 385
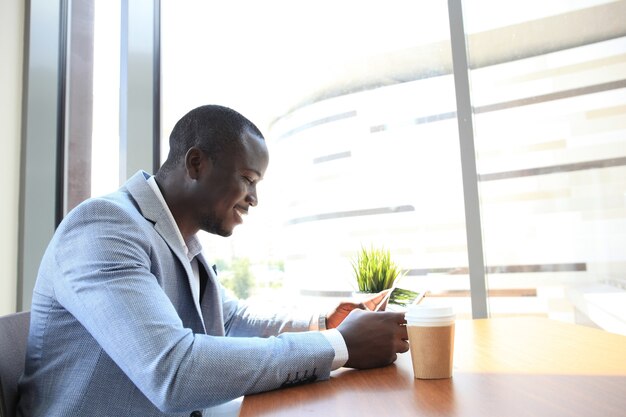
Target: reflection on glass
357 103
550 120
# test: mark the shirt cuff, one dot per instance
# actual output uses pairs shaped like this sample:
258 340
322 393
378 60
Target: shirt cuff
339 345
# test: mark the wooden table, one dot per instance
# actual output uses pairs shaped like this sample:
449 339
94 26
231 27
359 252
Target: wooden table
503 367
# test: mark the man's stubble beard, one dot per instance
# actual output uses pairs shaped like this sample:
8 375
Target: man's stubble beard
212 225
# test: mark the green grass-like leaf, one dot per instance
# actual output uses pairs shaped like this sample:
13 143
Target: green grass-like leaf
374 270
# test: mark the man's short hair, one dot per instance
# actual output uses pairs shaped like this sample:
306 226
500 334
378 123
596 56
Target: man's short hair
211 128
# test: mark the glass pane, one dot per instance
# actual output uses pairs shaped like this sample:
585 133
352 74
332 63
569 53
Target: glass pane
356 100
549 95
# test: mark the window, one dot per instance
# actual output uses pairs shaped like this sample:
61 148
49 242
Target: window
357 105
357 102
549 97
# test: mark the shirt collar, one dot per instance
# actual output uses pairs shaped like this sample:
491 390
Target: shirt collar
192 246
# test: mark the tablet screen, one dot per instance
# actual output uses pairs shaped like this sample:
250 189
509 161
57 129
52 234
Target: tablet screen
400 298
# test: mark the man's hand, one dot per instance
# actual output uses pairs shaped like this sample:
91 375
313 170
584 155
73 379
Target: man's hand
373 339
339 313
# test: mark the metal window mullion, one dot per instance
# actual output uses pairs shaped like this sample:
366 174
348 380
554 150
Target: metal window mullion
156 92
478 285
79 106
43 131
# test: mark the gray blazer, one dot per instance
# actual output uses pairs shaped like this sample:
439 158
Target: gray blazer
115 330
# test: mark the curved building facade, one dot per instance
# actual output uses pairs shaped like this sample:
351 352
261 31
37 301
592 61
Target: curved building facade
378 167
361 122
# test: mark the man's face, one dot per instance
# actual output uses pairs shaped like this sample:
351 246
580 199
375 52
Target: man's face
228 188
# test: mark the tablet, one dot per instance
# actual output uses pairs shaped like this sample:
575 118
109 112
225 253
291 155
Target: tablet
400 298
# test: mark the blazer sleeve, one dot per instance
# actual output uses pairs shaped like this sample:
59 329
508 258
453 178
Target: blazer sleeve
104 279
244 319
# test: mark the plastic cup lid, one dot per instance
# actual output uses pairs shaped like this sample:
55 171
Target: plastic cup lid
429 313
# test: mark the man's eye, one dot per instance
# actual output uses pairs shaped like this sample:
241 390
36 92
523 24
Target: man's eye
248 180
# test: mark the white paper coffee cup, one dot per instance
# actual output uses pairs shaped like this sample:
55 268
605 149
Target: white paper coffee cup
431 340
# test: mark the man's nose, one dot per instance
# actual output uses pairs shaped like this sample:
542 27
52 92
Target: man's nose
252 198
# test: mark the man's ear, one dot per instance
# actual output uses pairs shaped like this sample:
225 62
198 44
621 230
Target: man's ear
196 161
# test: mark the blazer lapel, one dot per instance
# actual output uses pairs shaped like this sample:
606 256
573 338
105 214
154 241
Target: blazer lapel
152 209
211 306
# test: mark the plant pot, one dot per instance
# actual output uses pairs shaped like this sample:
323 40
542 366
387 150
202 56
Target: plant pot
360 296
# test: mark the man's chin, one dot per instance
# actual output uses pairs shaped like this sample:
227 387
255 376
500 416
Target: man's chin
225 233
220 231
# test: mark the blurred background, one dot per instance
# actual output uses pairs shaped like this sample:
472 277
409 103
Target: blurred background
482 142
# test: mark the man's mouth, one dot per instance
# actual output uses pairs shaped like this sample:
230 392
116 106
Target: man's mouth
241 212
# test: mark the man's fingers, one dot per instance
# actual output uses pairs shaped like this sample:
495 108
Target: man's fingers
404 334
404 347
379 297
373 302
401 319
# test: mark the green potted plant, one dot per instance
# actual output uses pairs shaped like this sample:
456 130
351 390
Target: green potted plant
374 270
